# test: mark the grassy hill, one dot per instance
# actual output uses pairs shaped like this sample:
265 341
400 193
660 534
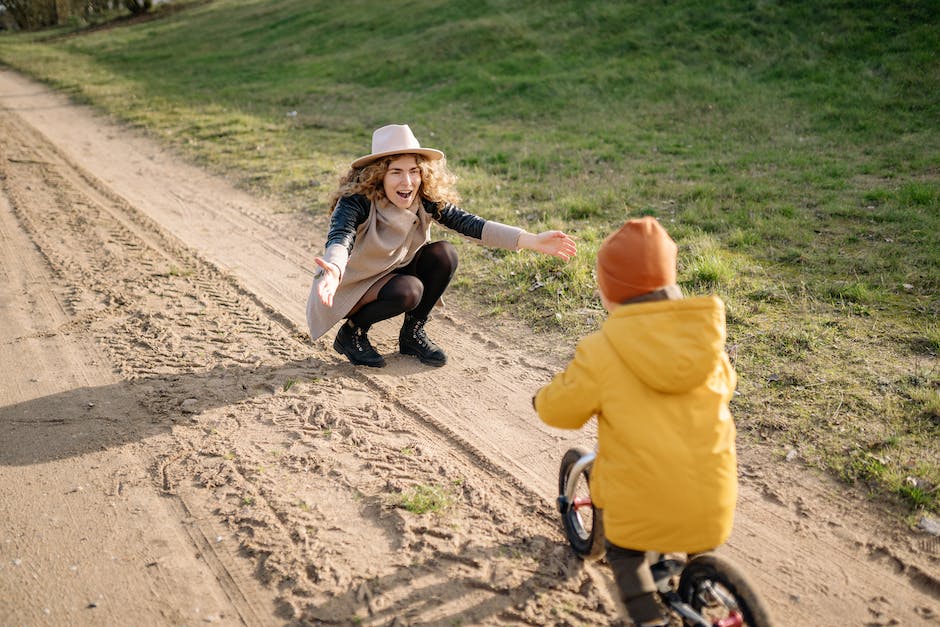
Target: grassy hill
792 150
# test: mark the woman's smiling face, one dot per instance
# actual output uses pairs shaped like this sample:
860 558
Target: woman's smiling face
402 181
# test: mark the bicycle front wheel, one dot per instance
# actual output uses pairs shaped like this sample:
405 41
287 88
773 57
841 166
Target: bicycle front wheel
583 523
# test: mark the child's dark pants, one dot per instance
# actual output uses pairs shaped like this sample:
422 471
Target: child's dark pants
636 585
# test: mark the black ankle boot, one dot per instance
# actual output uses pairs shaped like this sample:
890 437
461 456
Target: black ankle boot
412 340
353 342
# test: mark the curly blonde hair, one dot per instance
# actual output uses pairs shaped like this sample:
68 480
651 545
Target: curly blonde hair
438 183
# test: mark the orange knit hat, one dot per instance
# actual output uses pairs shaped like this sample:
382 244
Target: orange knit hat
639 257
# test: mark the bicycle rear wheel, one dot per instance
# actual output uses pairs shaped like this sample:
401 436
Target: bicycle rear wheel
716 589
583 522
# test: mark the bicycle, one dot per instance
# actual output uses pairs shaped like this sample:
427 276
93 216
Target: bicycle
705 590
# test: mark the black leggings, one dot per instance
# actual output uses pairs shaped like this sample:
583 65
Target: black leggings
414 288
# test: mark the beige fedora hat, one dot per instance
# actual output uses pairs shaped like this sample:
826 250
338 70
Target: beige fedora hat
395 139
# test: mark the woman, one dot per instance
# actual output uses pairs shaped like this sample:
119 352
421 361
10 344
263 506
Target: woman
379 261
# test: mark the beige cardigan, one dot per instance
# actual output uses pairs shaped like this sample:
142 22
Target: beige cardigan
388 239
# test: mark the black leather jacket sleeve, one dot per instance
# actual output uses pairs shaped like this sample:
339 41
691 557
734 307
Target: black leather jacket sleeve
349 213
456 219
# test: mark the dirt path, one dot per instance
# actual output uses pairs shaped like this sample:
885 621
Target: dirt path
175 447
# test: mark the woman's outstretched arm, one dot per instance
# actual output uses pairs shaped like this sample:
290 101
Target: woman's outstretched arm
554 243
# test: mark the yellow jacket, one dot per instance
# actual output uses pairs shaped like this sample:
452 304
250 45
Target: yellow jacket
658 379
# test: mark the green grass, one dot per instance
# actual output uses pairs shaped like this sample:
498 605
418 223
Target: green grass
426 499
791 149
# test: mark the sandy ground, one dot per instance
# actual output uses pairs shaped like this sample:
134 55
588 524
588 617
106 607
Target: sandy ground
175 450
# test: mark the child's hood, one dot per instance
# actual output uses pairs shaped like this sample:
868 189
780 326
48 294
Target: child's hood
671 346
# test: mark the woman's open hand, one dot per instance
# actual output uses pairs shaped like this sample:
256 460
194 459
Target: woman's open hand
328 282
554 243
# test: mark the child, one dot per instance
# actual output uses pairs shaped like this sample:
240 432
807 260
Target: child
659 381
